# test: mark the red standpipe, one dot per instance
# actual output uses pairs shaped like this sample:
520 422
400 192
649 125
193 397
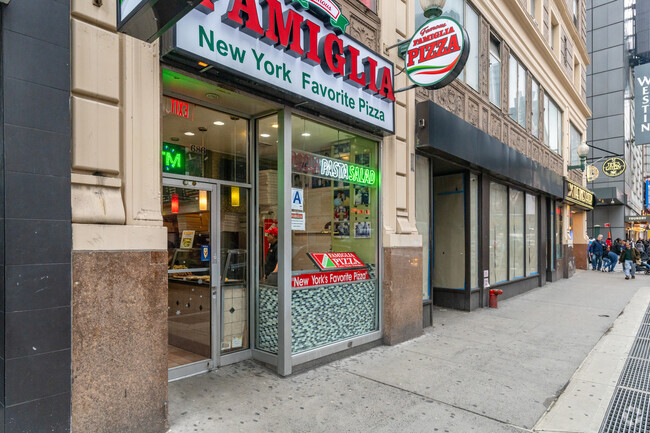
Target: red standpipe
493 297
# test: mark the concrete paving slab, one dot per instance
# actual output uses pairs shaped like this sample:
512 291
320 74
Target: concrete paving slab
492 394
311 402
582 407
601 367
488 371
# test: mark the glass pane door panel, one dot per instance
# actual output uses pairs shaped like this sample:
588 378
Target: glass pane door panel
186 214
234 268
266 292
449 217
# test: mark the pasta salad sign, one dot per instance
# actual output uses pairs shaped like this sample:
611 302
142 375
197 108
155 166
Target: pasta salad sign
437 53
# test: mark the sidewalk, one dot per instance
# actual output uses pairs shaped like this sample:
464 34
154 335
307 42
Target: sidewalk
488 371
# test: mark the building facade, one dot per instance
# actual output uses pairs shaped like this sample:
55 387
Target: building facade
496 200
610 133
177 206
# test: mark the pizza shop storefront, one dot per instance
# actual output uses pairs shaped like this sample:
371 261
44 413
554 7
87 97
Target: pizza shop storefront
271 156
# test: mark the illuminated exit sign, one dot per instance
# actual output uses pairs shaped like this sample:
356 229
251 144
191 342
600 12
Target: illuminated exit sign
181 108
173 158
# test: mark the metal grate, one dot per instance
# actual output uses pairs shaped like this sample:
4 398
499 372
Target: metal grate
636 374
640 348
629 412
644 331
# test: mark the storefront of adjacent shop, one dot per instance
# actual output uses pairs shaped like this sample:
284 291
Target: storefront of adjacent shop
272 123
577 201
496 216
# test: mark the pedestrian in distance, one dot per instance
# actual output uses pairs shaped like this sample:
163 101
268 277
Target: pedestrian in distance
596 249
639 246
629 259
610 259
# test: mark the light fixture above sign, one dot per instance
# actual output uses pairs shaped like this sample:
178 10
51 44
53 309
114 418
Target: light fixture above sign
432 8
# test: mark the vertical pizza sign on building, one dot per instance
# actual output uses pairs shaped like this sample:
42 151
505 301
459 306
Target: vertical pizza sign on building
437 53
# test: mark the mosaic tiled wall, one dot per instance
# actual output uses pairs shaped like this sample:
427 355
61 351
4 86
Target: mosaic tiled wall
319 315
267 319
324 315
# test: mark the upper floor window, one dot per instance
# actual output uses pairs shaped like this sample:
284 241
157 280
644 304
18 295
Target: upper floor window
495 72
575 139
370 4
531 9
534 102
472 65
552 125
555 32
517 92
575 13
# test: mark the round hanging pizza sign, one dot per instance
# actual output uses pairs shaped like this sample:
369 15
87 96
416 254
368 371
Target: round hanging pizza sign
437 53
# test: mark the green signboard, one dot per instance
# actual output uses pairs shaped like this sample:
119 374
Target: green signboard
173 158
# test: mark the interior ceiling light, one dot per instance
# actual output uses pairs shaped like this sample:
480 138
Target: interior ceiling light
275 125
212 96
189 133
219 123
265 135
175 139
306 134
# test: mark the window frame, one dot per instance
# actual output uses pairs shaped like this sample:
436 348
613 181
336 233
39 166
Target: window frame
547 124
496 42
525 193
573 150
534 108
519 114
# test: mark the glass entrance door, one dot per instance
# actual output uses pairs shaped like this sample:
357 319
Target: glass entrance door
188 214
208 274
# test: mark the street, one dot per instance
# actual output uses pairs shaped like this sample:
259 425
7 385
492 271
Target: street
489 371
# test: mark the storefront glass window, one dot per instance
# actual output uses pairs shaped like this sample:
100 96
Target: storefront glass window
202 142
423 217
266 332
551 236
531 235
558 233
449 217
335 195
473 216
498 233
495 72
516 234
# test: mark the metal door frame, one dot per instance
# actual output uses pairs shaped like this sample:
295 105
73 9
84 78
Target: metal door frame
175 373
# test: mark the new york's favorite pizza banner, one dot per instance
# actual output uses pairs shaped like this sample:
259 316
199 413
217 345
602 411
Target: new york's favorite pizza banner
288 48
